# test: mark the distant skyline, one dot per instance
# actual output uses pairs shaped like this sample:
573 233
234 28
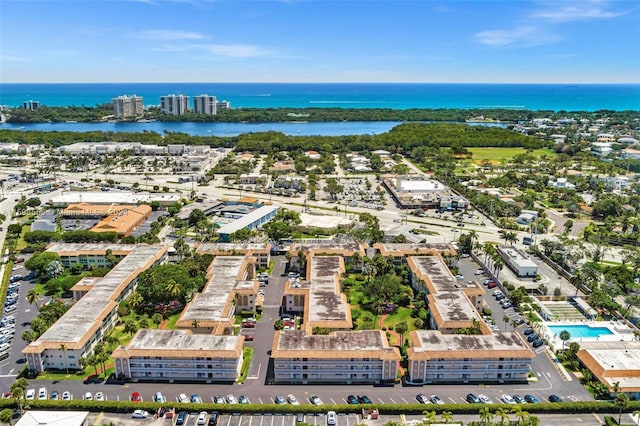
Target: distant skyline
519 41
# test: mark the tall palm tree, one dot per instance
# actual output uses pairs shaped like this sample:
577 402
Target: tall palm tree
33 298
564 336
486 416
173 288
621 401
63 348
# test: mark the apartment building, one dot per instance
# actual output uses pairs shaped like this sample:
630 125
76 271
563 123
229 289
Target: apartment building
127 106
435 357
174 104
205 104
77 332
342 357
231 288
402 251
180 355
261 251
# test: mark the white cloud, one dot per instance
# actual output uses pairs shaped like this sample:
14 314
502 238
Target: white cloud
9 58
576 11
168 35
520 36
223 50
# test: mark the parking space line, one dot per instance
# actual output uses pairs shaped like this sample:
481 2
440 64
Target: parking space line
405 401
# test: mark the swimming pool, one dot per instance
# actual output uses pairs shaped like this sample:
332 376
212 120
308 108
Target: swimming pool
580 330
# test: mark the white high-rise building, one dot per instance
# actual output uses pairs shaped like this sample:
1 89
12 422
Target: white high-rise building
174 104
205 104
127 106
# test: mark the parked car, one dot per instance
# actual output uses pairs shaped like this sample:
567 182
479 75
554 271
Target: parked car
42 393
213 418
484 399
507 399
478 272
351 399
436 399
473 399
181 418
136 397
532 337
248 337
363 399
54 395
99 396
218 399
159 397
231 399
538 343
506 305
331 418
529 331
195 399
202 418
519 399
422 399
279 399
243 399
554 398
300 418
66 396
531 399
88 396
291 399
492 285
140 414
183 398
315 400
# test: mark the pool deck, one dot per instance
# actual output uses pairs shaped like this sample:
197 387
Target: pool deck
620 332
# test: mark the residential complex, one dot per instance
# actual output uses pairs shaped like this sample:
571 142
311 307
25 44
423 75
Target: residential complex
174 104
205 104
77 332
127 106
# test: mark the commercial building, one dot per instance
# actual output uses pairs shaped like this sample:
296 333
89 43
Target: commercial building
252 220
613 363
174 104
517 261
435 357
416 192
342 357
231 288
180 355
205 104
77 332
86 210
127 106
124 222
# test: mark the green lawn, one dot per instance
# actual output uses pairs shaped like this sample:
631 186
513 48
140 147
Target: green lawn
401 314
171 322
497 154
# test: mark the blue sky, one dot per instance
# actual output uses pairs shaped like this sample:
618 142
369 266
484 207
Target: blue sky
320 41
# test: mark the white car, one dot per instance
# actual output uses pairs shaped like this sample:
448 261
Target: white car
66 396
478 272
99 396
88 396
507 399
292 399
183 398
202 418
42 393
332 418
140 414
31 394
484 399
231 399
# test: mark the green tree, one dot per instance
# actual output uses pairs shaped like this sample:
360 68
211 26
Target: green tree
33 297
564 336
6 416
157 319
278 324
621 401
401 328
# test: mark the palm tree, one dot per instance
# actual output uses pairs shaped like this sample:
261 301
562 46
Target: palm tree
446 417
173 288
621 401
504 416
33 298
486 416
430 416
564 336
63 348
498 264
505 318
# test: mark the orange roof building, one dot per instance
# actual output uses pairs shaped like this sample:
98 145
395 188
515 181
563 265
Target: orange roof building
125 221
81 210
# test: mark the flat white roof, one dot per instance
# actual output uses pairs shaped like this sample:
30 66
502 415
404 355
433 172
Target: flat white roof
247 219
53 418
325 299
420 185
109 197
516 258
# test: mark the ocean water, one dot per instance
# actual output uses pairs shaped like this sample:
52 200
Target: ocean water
556 97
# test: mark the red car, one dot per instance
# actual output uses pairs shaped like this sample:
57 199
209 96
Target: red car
135 397
248 337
